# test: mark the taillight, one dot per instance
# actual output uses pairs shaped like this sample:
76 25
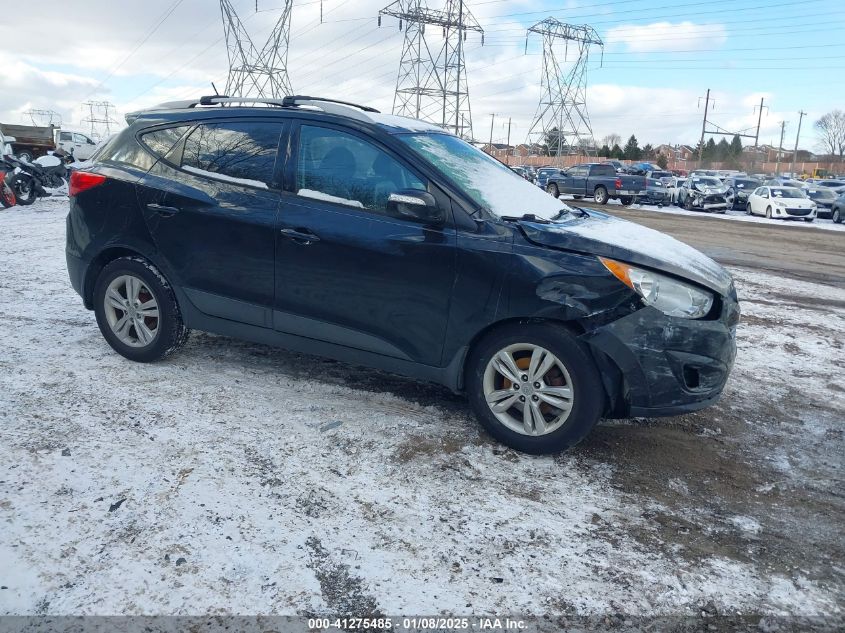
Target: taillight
83 181
618 183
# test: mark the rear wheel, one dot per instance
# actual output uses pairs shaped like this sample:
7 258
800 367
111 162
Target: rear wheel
600 195
552 190
23 186
534 388
626 200
137 310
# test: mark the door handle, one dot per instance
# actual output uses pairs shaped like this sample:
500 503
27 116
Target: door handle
300 236
162 210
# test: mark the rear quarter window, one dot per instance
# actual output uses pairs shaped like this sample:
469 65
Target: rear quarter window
124 149
602 170
160 142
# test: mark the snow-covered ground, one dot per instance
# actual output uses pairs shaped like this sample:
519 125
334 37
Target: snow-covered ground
731 216
239 478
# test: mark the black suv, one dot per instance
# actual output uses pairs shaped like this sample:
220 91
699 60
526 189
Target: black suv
332 229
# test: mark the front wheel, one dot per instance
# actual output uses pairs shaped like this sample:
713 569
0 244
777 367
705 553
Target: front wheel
23 186
136 310
688 203
748 210
7 196
768 213
534 388
552 190
25 156
836 216
809 219
600 195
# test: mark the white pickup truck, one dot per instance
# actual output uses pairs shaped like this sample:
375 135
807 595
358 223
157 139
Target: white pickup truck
29 141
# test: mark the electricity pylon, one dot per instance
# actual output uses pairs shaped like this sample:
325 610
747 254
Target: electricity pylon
432 82
561 119
99 118
252 72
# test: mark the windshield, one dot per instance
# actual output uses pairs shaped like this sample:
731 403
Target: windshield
786 192
747 184
818 194
489 183
707 182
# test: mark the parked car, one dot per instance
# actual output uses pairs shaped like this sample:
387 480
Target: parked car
332 229
783 181
703 193
656 191
738 190
838 209
824 197
543 175
710 173
597 181
781 202
836 185
674 187
519 171
79 145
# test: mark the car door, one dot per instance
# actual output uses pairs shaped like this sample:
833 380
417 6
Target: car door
347 272
210 204
576 181
761 199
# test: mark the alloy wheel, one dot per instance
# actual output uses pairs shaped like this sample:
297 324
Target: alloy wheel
131 310
528 389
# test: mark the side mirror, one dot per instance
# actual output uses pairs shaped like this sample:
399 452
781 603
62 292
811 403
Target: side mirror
415 205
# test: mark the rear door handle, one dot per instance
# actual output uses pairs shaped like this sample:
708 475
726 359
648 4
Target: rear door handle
162 210
300 236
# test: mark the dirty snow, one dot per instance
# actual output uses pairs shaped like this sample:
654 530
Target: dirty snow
239 478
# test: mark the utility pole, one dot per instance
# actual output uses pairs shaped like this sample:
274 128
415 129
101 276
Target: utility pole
508 150
780 146
703 127
490 145
759 119
797 135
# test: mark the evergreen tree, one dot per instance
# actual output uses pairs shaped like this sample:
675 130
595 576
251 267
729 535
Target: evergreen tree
604 151
662 162
632 149
723 150
736 147
648 152
710 149
617 153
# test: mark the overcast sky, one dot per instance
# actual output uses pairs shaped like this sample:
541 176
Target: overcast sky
660 57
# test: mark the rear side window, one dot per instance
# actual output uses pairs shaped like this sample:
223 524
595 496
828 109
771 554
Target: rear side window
243 152
160 142
602 170
124 149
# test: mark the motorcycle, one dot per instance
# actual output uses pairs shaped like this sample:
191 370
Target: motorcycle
33 179
7 195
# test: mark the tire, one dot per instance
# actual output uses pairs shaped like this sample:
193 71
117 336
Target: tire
26 156
574 197
768 213
7 196
748 210
23 185
168 331
581 376
809 219
836 216
600 195
688 203
626 200
552 190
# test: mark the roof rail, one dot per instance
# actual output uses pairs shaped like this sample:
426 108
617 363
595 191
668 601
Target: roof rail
329 106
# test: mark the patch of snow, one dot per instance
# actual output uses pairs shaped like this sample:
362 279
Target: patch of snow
746 524
404 123
319 195
225 177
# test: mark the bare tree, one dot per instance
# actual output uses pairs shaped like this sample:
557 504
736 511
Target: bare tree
612 139
831 129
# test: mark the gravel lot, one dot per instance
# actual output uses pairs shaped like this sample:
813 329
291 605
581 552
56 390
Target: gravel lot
238 478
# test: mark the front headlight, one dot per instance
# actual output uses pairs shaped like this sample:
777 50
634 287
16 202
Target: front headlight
670 296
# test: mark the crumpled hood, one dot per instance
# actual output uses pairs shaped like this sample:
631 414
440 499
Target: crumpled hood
607 236
709 189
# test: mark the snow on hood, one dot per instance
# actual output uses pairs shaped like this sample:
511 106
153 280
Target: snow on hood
607 236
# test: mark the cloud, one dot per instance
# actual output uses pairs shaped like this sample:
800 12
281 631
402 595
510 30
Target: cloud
665 36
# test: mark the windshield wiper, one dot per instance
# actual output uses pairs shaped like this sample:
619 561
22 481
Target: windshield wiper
527 217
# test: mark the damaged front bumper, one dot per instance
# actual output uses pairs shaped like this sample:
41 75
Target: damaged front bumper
656 365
